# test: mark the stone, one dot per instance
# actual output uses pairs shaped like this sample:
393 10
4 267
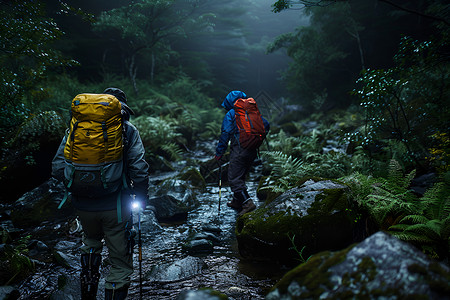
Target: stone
380 267
315 216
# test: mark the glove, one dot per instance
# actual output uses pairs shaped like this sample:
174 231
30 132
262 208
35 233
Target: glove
218 157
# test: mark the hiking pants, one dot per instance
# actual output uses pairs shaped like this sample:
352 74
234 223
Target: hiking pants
240 162
104 224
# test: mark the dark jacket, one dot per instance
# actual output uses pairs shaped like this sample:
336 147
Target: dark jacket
229 129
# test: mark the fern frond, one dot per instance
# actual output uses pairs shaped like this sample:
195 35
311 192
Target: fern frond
412 237
431 230
414 219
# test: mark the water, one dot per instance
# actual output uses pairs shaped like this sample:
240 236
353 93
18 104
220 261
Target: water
225 271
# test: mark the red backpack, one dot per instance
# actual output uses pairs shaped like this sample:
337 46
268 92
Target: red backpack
249 122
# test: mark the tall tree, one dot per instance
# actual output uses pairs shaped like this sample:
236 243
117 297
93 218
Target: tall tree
146 28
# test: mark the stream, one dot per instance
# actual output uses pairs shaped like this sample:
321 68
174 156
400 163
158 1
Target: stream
221 269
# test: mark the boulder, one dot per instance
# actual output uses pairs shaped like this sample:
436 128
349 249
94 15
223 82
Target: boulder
204 294
41 204
315 216
169 209
380 267
176 271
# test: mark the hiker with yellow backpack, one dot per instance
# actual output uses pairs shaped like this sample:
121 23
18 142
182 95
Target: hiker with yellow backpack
101 161
244 126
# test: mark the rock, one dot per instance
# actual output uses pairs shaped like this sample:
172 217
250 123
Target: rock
198 247
206 236
380 267
41 204
66 245
316 216
206 294
65 260
169 209
9 292
193 177
68 288
37 248
176 271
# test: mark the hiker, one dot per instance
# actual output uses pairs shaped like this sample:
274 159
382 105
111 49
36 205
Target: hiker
243 147
104 210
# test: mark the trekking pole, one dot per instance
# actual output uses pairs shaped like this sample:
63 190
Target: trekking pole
138 208
140 255
220 186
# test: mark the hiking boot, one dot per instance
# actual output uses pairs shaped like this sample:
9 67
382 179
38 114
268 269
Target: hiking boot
235 203
247 206
90 275
116 294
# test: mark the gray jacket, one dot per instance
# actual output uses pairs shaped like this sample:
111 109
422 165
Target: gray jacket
136 169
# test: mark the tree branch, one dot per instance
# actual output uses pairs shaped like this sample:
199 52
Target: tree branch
416 12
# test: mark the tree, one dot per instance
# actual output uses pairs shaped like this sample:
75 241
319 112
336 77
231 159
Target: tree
147 27
26 58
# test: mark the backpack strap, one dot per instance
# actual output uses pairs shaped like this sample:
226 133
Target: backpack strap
125 184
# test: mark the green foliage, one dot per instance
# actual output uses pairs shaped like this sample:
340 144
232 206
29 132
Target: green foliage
159 134
300 258
320 53
385 199
27 53
429 226
404 103
15 262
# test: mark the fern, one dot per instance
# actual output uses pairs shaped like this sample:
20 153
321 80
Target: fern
172 149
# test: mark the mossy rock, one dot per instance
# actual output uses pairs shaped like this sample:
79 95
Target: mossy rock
193 176
316 216
41 204
379 267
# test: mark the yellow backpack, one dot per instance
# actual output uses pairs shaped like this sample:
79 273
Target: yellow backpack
94 146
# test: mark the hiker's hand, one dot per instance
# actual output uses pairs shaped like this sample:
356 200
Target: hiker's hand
218 158
140 201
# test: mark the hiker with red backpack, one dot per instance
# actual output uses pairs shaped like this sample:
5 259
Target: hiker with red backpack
101 162
244 126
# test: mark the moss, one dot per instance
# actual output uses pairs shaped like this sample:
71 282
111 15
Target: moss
193 176
440 285
313 274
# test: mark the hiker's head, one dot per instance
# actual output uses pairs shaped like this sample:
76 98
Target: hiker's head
228 103
120 95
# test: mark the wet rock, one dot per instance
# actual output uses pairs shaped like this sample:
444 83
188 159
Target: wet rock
315 216
206 236
37 248
379 267
212 228
193 177
41 204
66 245
206 294
169 209
176 271
68 288
198 247
9 292
237 293
66 260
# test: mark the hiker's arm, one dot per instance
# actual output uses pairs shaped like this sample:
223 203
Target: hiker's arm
58 163
226 132
137 166
266 125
